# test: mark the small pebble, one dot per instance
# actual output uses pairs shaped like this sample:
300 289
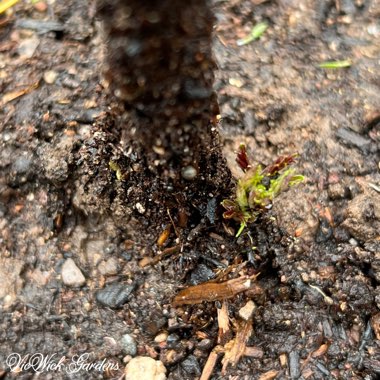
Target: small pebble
354 139
110 248
353 242
205 344
172 338
87 116
129 345
70 82
212 205
50 76
140 208
30 197
337 191
201 273
236 82
127 359
71 274
247 310
109 267
40 6
189 173
126 255
145 368
114 295
294 365
191 366
22 164
161 337
172 356
27 47
154 321
373 30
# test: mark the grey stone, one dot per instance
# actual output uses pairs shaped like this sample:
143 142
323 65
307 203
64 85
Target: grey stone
354 139
114 295
191 366
129 345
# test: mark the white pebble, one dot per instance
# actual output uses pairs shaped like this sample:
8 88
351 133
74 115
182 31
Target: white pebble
71 274
140 208
161 337
129 345
146 368
189 173
247 310
353 242
27 47
50 76
109 267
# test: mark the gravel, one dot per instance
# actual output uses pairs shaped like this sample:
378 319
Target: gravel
71 274
145 368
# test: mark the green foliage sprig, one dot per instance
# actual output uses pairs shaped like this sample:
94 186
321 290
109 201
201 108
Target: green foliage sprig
257 189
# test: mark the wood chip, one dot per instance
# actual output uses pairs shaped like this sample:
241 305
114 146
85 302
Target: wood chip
320 351
283 360
224 333
254 352
164 236
375 323
210 364
269 375
235 348
307 373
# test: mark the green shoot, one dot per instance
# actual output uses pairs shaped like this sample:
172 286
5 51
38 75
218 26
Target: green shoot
335 64
257 189
256 32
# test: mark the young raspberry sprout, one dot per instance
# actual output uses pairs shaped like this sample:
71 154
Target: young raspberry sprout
258 187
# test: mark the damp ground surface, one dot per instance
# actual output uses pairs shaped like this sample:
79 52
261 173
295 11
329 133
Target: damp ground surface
77 236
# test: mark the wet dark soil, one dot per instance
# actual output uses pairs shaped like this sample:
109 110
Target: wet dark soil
318 249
